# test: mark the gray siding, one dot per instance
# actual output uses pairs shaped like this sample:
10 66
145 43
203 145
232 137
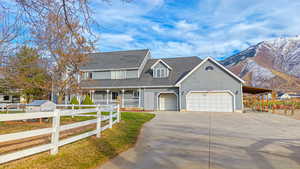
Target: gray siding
131 74
151 97
217 79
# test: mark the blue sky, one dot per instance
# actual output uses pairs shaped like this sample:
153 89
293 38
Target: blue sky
174 28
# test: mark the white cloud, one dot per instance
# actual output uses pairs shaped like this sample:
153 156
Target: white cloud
184 26
214 27
115 40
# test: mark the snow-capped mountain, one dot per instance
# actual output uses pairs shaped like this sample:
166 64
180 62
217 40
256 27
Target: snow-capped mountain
273 64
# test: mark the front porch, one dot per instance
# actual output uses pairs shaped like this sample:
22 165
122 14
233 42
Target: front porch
128 98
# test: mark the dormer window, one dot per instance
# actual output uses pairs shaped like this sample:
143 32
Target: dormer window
160 73
160 69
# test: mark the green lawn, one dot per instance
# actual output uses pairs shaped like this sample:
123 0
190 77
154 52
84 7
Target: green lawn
89 152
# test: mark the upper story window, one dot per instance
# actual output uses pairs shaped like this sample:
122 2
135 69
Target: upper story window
118 74
115 74
90 75
161 69
160 73
209 68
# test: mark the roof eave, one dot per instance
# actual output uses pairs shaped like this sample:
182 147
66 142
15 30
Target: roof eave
214 61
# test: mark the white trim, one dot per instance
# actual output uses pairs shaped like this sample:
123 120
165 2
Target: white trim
126 87
214 61
242 96
212 91
142 65
159 60
179 94
93 70
157 101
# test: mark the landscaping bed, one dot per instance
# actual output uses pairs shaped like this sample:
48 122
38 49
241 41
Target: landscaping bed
90 152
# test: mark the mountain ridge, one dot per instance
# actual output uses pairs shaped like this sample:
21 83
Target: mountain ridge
270 64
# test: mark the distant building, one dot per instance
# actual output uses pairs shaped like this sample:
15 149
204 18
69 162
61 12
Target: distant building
288 95
7 96
40 105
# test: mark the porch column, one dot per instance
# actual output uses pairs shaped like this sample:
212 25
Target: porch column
107 95
139 97
92 94
79 97
123 95
267 102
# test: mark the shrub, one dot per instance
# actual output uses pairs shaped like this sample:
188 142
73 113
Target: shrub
87 101
75 102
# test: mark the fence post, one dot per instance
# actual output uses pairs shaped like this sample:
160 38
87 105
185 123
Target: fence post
72 110
55 133
110 117
99 119
118 113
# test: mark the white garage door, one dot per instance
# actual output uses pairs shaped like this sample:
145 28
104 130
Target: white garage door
167 101
210 101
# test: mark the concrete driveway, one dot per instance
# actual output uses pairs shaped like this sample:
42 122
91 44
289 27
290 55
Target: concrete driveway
185 140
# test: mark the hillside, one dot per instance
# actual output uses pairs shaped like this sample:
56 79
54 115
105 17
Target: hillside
273 64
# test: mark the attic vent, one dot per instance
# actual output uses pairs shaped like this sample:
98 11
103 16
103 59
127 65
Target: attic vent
209 68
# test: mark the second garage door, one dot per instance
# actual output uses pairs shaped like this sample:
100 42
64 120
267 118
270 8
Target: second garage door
167 101
210 101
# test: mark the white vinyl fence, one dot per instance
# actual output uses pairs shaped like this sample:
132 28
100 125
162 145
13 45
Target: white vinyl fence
56 128
6 107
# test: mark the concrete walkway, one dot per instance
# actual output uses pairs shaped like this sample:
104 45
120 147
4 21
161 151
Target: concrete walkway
181 140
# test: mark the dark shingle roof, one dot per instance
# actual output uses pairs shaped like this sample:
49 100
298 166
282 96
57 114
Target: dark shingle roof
115 60
180 67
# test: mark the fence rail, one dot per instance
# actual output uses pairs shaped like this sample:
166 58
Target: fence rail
113 118
12 107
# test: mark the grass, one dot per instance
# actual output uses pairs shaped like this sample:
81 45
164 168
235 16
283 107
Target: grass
4 112
89 152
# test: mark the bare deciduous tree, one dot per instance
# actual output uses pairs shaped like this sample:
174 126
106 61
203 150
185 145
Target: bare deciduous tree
9 29
61 31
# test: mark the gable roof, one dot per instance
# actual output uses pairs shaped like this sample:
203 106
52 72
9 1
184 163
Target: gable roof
217 63
131 59
161 61
180 67
37 102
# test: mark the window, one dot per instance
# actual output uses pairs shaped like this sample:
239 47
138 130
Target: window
136 94
209 68
118 74
101 75
160 73
87 75
6 98
157 72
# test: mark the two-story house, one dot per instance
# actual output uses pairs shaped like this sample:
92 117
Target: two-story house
181 83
